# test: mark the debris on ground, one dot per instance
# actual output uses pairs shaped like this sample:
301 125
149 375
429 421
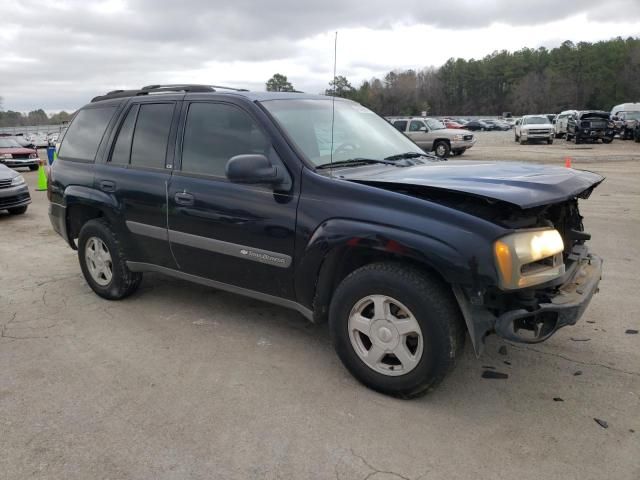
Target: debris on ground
494 375
575 339
631 331
558 399
591 321
489 367
502 350
602 423
507 362
577 372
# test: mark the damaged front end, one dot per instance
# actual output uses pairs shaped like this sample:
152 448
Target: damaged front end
545 293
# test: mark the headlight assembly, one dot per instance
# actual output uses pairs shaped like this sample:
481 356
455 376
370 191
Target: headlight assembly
17 180
528 258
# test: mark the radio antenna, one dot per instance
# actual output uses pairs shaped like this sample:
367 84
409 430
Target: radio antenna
333 100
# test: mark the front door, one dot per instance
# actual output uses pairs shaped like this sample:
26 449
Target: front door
420 134
237 234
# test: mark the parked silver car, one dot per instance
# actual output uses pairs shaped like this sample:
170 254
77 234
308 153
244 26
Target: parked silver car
534 127
560 126
432 136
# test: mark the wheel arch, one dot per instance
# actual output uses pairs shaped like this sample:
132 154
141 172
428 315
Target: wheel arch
84 204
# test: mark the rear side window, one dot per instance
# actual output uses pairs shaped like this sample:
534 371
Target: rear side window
85 133
400 125
122 148
149 147
215 132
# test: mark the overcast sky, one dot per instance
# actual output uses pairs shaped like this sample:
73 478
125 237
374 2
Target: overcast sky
57 54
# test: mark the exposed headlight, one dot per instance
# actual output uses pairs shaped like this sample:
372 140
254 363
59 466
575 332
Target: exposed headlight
529 258
6 156
33 155
17 180
458 137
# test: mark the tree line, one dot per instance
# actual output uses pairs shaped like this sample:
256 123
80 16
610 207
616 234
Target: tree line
572 76
10 118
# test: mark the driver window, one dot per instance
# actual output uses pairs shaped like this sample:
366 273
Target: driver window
416 125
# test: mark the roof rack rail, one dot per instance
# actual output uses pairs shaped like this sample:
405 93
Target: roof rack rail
152 89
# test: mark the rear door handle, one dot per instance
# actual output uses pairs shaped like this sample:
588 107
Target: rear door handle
107 186
183 198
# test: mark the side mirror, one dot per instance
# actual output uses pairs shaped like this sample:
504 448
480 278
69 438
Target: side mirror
253 169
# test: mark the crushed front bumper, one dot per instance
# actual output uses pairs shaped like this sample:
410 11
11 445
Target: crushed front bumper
14 197
564 308
534 323
20 162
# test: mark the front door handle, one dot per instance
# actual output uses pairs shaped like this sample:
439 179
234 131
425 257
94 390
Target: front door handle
107 186
183 198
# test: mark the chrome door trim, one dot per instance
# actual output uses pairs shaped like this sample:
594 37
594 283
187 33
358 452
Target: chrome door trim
283 302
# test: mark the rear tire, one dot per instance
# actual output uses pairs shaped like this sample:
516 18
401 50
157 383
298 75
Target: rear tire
387 300
103 261
607 140
17 210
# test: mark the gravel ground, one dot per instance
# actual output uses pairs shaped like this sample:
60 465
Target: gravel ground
185 382
501 146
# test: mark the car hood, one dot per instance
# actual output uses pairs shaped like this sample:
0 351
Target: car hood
520 184
16 150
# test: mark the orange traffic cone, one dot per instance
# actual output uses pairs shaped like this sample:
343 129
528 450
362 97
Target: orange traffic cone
567 162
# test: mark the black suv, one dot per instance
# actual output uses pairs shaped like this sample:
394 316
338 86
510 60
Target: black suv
590 125
320 205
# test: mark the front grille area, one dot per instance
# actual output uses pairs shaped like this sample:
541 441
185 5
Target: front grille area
5 183
12 201
538 131
21 156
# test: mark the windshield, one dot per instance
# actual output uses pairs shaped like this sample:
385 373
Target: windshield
434 124
633 116
357 131
9 143
535 120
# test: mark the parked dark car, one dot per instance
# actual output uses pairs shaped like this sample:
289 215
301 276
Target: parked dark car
590 126
498 124
626 123
14 192
346 221
475 125
12 154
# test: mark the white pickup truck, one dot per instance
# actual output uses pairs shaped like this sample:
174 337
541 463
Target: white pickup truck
534 127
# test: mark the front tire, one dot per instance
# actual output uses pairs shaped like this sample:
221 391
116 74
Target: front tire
522 141
550 141
442 149
103 261
33 168
395 329
607 140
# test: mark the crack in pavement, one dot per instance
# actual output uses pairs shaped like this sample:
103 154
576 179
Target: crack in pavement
579 362
374 469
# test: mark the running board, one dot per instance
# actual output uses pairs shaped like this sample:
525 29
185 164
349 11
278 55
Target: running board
265 297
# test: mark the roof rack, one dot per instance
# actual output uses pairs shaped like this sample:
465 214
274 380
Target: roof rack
153 89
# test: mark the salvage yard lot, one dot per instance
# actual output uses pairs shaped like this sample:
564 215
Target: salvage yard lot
182 381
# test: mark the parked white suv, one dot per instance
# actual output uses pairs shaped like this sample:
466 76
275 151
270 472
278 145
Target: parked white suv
561 122
432 135
533 127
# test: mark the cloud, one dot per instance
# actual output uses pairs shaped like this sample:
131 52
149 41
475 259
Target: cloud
57 54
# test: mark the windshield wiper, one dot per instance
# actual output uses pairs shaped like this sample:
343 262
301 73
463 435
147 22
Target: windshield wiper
407 155
354 162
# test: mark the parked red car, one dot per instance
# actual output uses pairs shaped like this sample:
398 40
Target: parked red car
14 155
451 124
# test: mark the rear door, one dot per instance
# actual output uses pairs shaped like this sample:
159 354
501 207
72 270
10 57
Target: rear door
137 173
237 234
